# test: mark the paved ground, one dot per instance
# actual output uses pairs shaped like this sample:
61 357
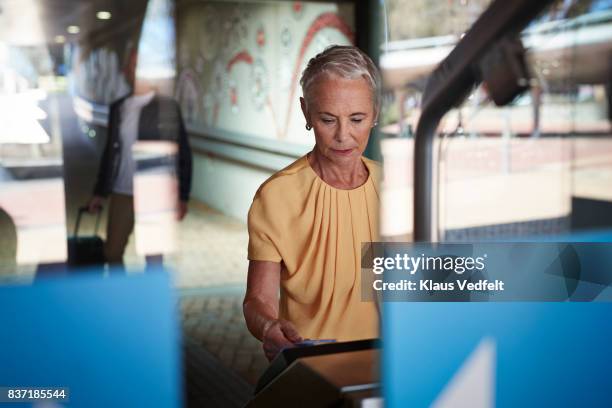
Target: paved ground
210 274
213 318
207 383
212 250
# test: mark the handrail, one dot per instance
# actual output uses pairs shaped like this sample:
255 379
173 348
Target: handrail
448 85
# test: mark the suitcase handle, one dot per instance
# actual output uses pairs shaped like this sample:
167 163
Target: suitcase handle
82 210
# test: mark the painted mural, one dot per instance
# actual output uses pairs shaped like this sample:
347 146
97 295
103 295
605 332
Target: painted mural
240 63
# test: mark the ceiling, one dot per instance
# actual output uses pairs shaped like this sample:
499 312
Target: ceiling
38 22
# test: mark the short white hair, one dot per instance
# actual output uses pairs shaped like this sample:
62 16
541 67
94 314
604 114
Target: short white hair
345 61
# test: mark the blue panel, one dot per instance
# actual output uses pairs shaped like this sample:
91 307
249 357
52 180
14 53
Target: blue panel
114 342
547 354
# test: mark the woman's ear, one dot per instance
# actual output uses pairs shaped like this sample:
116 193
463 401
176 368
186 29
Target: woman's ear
304 109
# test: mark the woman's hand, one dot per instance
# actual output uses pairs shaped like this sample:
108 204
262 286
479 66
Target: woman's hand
261 309
277 335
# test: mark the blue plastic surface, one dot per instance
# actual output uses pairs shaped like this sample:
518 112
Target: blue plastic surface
113 341
547 354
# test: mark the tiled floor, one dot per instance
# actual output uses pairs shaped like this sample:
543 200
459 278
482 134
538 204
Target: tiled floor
210 274
212 250
213 318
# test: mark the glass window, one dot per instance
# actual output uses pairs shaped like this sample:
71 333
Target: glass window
540 165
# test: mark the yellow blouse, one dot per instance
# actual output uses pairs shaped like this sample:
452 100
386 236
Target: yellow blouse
315 231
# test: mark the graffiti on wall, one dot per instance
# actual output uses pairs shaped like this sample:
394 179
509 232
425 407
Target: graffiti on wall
240 64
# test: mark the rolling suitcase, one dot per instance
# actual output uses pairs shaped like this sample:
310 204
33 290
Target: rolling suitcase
85 250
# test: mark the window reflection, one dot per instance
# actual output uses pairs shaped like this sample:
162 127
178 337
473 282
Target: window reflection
537 166
31 185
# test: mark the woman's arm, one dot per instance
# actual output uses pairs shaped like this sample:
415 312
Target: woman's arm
261 308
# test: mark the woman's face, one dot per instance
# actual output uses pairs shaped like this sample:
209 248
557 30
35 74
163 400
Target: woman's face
341 113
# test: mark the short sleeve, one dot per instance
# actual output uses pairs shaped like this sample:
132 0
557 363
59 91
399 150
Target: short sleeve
260 224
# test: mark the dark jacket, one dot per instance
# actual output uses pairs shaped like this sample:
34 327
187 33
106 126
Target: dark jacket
160 119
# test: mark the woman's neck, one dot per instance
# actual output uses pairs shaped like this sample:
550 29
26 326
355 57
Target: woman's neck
345 176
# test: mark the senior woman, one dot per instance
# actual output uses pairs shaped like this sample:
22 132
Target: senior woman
307 222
